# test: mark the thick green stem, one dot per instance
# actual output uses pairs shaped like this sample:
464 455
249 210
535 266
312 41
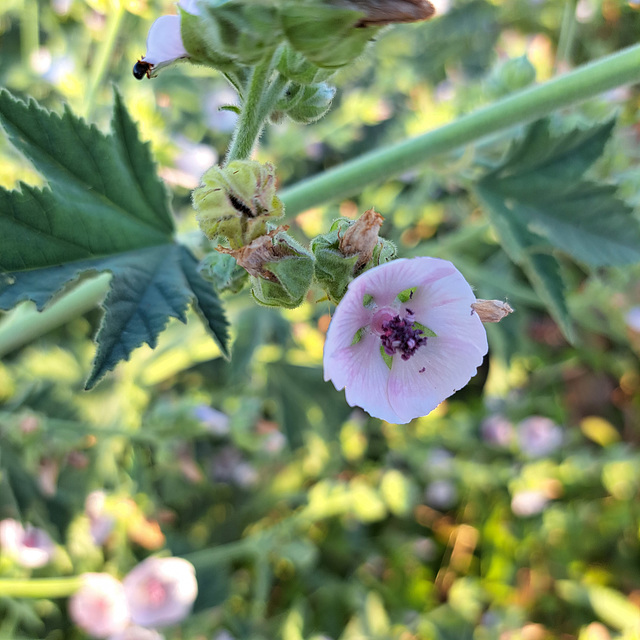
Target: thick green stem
259 101
105 54
40 587
520 108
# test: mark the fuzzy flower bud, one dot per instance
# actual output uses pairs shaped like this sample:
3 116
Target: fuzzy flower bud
307 103
281 270
350 248
236 201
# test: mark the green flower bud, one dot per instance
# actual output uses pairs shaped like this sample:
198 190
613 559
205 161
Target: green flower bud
242 31
281 269
294 66
326 35
349 249
307 103
237 200
512 75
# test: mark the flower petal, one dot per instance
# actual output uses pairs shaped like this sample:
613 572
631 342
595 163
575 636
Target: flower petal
164 42
448 362
361 369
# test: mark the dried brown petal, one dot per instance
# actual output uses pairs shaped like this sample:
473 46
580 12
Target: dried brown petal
362 237
383 12
491 310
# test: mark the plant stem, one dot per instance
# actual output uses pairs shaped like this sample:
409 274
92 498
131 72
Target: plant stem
40 587
252 117
567 35
517 109
105 54
24 323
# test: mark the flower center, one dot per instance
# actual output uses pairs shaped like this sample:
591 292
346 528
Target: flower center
398 335
156 592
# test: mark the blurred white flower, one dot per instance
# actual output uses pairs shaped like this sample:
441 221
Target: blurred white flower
216 422
441 494
30 547
100 524
100 607
497 430
632 319
219 119
229 466
538 436
528 503
161 591
137 633
194 159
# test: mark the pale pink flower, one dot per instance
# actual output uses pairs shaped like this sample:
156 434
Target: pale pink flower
497 430
161 591
100 607
100 522
137 633
29 546
164 42
395 309
538 436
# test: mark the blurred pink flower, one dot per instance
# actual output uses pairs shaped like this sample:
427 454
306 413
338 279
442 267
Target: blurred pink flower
538 436
137 633
381 346
497 430
31 547
100 607
164 41
161 591
100 524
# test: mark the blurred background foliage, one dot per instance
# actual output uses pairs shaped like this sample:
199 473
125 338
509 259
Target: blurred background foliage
510 512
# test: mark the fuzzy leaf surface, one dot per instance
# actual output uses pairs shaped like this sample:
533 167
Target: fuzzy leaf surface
104 209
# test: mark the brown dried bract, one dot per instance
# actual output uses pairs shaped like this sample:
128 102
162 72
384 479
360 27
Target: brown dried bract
361 237
383 12
259 252
491 310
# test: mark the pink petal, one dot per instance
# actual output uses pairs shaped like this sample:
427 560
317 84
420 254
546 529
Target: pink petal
361 369
164 42
449 363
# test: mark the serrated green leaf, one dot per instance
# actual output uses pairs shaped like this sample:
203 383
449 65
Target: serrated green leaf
104 209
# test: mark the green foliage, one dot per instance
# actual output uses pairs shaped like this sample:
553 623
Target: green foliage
104 210
540 202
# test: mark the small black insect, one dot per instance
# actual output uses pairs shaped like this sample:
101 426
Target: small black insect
141 69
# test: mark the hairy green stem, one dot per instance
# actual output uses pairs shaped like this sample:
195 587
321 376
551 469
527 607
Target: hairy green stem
519 108
105 54
259 101
40 587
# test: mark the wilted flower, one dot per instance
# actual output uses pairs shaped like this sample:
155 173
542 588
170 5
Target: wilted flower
137 633
538 436
31 547
161 591
528 503
100 607
164 42
404 338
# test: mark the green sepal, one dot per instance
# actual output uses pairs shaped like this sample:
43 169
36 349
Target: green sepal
512 75
325 35
294 66
222 270
334 271
196 41
306 104
243 32
294 274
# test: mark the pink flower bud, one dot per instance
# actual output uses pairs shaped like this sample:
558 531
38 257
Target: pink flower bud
161 591
30 547
100 607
